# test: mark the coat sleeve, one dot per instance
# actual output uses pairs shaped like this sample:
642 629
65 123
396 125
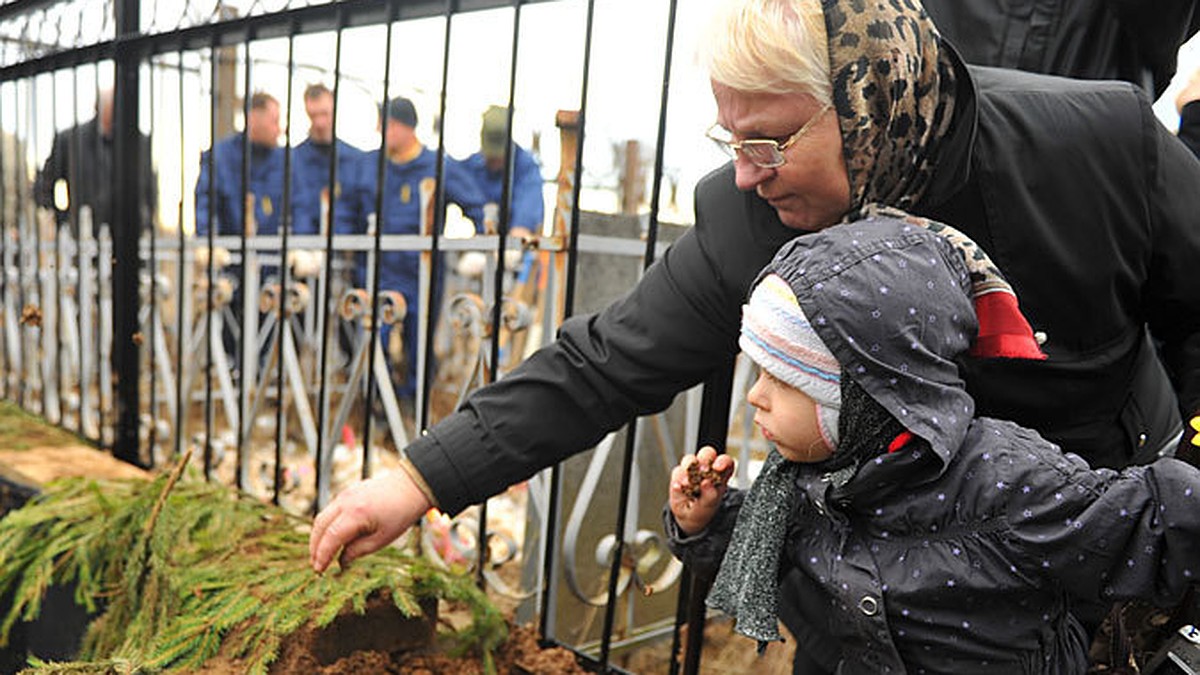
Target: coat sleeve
704 551
1156 35
1108 535
528 207
203 207
666 335
461 190
1189 127
1172 293
54 170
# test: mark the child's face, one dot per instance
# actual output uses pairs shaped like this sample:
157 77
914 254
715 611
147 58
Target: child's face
788 418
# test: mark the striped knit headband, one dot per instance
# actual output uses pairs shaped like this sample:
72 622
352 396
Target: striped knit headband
778 337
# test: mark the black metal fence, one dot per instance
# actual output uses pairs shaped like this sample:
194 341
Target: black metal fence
275 354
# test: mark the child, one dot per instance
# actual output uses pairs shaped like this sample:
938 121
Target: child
927 540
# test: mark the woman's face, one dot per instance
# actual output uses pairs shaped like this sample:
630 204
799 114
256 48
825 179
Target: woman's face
811 191
788 418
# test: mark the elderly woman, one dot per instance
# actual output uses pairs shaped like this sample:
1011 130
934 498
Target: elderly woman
1079 195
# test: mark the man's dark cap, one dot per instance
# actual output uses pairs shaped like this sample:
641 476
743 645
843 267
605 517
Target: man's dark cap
403 111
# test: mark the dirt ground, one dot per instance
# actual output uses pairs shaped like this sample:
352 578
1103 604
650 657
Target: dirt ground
323 653
724 652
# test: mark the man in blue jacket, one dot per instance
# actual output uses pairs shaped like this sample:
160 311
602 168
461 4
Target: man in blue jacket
310 177
220 197
526 207
220 204
408 163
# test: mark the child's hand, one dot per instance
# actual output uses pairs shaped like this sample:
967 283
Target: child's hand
697 485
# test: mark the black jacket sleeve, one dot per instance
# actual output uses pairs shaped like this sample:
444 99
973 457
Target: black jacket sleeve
632 358
54 170
1107 535
1172 294
667 334
1189 127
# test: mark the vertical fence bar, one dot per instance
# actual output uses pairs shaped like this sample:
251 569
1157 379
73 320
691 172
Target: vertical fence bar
380 178
210 300
439 221
320 467
439 212
498 279
126 228
150 334
282 333
181 337
246 342
631 430
104 398
80 260
5 206
37 260
8 219
550 561
55 274
714 427
25 214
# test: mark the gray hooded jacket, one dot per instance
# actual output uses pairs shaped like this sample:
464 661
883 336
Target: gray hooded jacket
963 551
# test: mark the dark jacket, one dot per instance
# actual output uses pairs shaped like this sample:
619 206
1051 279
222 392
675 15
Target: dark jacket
1093 39
1189 127
971 563
961 551
83 158
1097 243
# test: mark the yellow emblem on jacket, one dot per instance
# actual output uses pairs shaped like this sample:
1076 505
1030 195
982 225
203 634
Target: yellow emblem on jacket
267 207
405 193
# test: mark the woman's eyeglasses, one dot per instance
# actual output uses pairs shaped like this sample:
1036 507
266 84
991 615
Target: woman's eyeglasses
766 153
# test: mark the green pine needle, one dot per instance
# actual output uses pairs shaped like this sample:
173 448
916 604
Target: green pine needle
210 572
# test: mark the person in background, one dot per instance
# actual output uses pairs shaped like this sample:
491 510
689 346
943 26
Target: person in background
80 168
927 539
407 163
526 204
311 163
1091 39
220 197
1187 104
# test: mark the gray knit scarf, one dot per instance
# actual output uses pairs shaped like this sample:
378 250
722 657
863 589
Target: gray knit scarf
747 585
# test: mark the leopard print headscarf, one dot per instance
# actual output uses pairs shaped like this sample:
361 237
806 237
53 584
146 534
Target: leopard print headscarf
893 89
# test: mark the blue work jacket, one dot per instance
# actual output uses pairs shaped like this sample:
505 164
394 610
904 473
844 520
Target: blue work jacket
401 209
266 184
310 175
526 208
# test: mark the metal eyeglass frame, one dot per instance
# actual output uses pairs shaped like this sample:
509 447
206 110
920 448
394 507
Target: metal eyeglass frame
766 153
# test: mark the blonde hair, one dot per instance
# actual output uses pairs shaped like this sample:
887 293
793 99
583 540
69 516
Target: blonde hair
769 46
